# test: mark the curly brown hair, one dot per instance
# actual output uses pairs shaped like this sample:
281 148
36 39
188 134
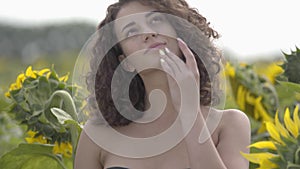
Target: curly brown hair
100 78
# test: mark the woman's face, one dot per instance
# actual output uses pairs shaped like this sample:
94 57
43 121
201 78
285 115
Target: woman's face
142 32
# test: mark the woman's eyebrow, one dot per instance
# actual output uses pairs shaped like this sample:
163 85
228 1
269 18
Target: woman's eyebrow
128 25
147 15
151 13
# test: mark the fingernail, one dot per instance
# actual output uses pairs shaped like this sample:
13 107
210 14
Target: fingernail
161 52
179 40
167 50
162 60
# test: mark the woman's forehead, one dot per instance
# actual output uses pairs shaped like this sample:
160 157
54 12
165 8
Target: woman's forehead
133 8
136 17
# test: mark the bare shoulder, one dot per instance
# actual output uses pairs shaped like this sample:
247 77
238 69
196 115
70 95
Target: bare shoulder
234 123
87 141
234 117
234 137
88 154
236 114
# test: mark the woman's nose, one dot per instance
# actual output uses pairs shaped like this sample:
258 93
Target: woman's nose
146 36
148 32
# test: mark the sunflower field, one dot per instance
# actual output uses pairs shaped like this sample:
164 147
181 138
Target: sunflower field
41 107
46 106
269 93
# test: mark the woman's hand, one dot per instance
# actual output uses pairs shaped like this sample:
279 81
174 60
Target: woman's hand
181 75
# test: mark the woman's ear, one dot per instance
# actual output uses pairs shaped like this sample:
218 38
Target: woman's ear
126 65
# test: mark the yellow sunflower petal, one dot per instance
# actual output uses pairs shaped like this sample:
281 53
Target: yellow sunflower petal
263 144
243 99
258 158
7 94
63 148
241 94
64 78
43 71
289 124
280 127
48 74
267 164
29 140
273 132
230 71
31 133
20 79
250 99
262 111
56 149
41 139
67 149
13 86
296 116
269 70
29 72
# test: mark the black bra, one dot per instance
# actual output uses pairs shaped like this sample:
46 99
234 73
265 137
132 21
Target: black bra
120 168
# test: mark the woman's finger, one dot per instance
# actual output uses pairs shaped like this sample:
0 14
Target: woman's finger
177 61
165 65
171 64
189 56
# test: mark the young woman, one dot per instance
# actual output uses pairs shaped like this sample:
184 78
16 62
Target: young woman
141 127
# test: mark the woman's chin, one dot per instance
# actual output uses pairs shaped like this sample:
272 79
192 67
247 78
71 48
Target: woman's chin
143 61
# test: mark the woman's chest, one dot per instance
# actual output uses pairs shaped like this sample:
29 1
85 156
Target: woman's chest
179 157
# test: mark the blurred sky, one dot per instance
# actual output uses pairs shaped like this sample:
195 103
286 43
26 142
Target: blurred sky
249 28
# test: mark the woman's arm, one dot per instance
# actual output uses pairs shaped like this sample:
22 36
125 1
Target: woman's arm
87 154
234 137
235 127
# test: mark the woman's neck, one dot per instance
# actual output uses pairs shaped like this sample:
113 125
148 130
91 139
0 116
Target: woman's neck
157 80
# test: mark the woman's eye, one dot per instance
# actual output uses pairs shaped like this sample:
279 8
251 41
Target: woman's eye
131 32
156 19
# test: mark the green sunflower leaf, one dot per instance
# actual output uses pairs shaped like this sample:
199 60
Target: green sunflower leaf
297 156
61 115
291 67
291 165
31 156
278 160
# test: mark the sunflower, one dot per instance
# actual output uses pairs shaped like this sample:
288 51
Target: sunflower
63 148
33 95
253 93
282 150
33 74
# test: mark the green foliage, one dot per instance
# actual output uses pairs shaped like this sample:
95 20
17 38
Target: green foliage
37 102
291 66
254 85
288 86
10 132
287 152
31 42
288 94
32 103
69 123
259 86
284 129
42 101
31 156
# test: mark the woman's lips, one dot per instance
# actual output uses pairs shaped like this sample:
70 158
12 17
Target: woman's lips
157 45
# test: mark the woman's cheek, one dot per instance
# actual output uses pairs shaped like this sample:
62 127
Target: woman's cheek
129 47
